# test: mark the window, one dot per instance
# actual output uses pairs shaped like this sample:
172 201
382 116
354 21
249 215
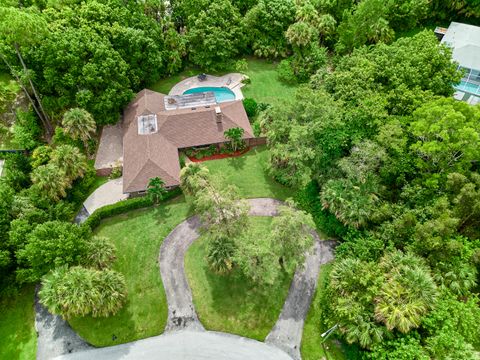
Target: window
147 124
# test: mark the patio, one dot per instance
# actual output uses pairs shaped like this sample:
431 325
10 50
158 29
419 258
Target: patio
232 81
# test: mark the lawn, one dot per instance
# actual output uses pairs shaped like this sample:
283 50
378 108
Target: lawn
248 173
264 87
18 339
231 303
311 340
137 236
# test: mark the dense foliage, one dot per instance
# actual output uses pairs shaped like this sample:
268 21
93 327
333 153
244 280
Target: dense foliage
394 159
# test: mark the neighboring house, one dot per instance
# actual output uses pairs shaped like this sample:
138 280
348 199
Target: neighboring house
156 127
464 39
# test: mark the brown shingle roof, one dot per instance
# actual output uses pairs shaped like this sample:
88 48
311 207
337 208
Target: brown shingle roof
148 156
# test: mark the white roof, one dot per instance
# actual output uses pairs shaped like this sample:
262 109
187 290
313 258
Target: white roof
465 41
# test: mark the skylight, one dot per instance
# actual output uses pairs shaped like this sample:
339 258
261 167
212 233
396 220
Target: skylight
147 124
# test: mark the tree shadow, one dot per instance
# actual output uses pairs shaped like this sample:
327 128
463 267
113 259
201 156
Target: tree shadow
237 163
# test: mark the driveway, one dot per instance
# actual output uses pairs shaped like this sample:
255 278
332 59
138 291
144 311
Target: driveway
107 194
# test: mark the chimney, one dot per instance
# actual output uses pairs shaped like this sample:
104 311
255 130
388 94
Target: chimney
218 114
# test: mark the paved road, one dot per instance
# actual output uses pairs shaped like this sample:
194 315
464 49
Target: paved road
186 345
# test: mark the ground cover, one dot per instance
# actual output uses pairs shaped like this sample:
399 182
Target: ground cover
18 339
311 339
137 236
231 303
264 87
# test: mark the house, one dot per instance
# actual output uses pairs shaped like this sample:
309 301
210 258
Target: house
156 126
464 40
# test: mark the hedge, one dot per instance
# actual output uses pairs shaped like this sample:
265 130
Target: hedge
124 206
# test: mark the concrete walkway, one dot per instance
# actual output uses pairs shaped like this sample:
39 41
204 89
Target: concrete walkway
107 194
233 81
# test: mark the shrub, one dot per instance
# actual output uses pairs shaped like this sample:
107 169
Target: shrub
285 72
246 80
26 131
220 252
251 107
49 245
241 65
100 252
79 292
257 129
123 207
116 172
309 200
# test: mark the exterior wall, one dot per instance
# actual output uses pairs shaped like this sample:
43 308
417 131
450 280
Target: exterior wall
257 141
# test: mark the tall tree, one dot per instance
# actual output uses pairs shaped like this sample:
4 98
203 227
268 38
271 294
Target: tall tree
23 28
215 35
50 180
69 159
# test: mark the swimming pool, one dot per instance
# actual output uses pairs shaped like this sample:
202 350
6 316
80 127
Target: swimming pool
222 94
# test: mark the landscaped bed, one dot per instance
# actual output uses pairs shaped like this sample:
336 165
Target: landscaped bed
231 303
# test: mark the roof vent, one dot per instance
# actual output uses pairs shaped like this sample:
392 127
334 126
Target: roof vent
218 114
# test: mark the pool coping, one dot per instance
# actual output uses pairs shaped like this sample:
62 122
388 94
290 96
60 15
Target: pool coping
232 81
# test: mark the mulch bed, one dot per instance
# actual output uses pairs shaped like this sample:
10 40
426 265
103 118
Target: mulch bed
220 156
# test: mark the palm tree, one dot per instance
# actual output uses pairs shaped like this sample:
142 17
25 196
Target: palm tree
79 124
51 181
407 294
235 136
71 160
79 291
193 177
156 189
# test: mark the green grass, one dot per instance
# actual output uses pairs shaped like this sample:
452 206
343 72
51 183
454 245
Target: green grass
265 85
248 173
231 303
311 340
137 236
18 339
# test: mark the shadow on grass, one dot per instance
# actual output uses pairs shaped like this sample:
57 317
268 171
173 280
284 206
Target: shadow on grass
238 163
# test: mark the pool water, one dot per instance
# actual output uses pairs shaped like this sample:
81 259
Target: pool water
221 94
468 87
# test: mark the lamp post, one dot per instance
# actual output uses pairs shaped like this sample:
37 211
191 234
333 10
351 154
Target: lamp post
325 336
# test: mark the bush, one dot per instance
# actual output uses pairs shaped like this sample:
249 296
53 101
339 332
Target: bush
257 129
251 107
81 187
308 199
116 172
285 72
123 207
26 131
246 81
100 253
241 65
79 292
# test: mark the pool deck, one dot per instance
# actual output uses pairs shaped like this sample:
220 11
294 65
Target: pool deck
233 81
